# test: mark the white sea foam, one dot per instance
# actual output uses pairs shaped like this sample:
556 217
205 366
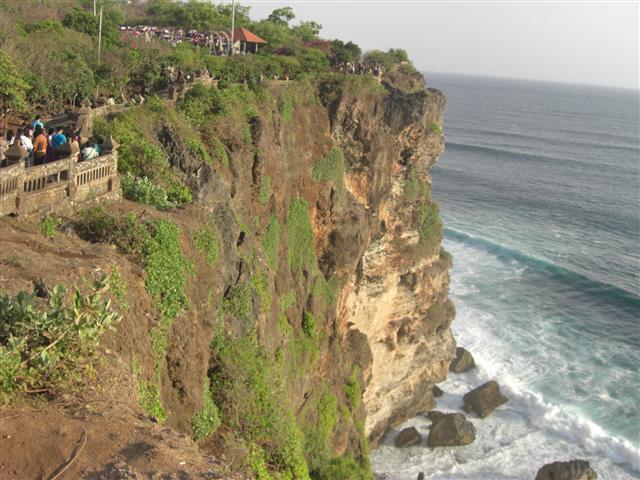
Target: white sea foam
529 430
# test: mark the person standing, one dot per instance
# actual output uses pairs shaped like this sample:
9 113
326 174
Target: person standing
37 123
40 147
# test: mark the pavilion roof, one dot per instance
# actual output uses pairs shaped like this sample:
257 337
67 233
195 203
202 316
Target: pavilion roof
245 35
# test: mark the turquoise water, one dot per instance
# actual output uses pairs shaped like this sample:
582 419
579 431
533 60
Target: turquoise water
539 190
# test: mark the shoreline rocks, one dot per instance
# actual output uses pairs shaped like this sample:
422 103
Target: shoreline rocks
571 470
450 430
484 399
408 438
463 362
436 391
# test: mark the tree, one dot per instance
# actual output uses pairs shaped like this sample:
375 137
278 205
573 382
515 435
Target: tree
344 52
282 16
307 31
13 88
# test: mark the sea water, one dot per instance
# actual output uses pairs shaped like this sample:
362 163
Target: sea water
539 191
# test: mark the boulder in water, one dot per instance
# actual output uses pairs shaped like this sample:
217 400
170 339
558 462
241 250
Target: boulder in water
436 391
484 399
434 415
572 470
451 430
463 362
408 437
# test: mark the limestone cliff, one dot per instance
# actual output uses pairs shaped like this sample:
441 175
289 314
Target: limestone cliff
324 317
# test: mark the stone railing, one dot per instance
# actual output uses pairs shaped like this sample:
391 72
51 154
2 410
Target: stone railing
57 186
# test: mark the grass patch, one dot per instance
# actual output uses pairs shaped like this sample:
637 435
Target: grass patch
435 128
287 109
353 389
271 243
238 303
265 190
260 284
300 241
50 345
221 153
205 241
207 419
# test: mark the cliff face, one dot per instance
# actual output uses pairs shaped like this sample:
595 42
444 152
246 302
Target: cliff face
324 318
395 290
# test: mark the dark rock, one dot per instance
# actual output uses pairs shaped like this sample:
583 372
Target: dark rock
463 362
408 437
421 476
484 399
40 289
435 415
572 470
451 430
437 391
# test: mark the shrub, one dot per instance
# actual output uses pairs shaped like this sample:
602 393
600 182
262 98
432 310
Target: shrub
48 345
142 190
49 225
238 302
342 467
205 241
118 287
435 128
149 400
353 389
207 419
271 243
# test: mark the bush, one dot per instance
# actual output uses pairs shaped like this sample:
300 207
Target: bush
142 190
49 225
331 168
49 345
343 467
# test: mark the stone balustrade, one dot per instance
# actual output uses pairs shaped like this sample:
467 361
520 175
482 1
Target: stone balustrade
58 186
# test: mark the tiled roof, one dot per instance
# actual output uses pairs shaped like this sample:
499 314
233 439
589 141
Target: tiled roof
246 36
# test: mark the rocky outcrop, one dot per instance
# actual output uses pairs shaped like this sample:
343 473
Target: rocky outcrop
572 470
463 362
484 399
398 295
408 437
450 430
436 391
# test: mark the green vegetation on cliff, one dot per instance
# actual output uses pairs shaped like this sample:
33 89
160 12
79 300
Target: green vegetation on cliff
49 345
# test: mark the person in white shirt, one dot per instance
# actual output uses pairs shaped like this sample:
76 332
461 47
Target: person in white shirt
26 141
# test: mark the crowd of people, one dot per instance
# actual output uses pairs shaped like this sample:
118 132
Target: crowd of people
42 145
218 43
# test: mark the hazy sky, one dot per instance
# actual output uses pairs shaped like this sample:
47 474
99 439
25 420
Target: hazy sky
579 42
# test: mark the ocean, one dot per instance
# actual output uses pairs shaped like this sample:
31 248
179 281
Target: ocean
539 191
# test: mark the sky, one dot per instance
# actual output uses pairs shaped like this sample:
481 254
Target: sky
593 43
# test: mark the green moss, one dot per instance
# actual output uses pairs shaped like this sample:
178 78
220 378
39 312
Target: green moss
271 243
327 290
265 189
207 419
206 243
435 128
300 241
